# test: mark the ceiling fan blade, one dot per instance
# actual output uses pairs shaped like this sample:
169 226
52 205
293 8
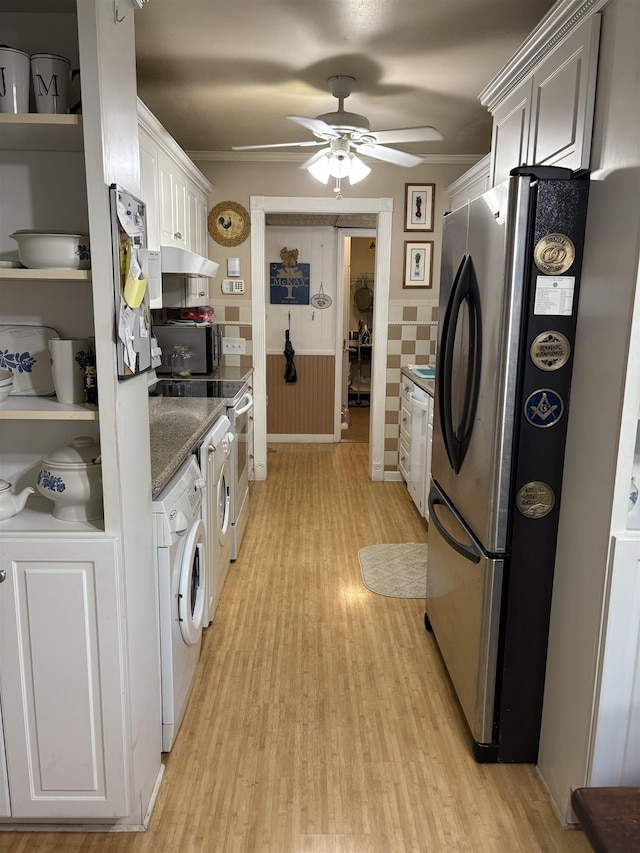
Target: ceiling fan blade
313 142
408 134
317 126
389 155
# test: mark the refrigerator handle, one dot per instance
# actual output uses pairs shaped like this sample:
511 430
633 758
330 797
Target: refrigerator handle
468 551
457 438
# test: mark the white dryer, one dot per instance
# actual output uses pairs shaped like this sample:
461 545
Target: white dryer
179 545
215 465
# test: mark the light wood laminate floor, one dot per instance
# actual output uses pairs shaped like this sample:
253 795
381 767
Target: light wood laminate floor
322 718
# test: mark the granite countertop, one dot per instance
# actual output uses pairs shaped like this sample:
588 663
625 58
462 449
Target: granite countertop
177 424
427 385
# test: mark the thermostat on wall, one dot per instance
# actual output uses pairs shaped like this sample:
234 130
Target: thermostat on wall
232 285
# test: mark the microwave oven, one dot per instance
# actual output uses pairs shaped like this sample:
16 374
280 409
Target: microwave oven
204 342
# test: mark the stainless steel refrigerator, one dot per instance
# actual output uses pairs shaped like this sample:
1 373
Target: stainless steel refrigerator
509 286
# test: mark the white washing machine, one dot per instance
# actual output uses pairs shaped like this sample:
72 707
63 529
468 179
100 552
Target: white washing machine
215 465
179 545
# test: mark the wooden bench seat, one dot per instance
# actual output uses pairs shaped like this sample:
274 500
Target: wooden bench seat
610 818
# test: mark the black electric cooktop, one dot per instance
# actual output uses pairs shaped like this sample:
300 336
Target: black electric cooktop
228 389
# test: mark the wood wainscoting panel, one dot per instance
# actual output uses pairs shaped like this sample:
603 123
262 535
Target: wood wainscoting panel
305 406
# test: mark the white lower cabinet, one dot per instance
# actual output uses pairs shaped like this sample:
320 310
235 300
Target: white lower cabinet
404 460
62 690
416 435
428 462
5 804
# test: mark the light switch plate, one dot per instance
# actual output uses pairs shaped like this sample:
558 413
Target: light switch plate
232 285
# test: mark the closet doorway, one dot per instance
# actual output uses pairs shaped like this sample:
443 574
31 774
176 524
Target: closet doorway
358 266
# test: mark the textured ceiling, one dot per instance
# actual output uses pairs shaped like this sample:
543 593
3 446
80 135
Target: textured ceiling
219 74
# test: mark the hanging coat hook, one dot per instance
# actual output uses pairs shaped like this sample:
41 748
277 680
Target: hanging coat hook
116 13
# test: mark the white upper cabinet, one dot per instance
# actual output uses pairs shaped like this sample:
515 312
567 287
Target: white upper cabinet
173 203
542 104
175 191
563 95
176 194
149 186
510 142
472 184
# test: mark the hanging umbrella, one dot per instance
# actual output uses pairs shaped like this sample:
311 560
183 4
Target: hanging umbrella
290 374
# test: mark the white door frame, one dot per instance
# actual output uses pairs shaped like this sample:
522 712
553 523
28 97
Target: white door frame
342 321
383 209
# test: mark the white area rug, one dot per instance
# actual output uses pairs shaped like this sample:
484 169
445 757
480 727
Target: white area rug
399 571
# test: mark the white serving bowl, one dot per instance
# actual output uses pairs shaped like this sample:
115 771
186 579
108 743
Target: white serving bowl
53 250
71 477
6 377
5 390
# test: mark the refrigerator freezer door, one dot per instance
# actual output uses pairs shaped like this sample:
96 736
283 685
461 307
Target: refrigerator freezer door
476 377
463 607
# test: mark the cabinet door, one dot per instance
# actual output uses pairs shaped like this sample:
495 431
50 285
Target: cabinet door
198 291
149 180
61 680
173 202
180 236
562 101
196 220
511 133
428 462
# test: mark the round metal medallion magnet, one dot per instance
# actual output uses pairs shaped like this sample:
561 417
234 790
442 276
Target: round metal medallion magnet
229 223
550 350
554 254
543 408
535 499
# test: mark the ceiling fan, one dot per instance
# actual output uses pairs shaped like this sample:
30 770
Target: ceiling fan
348 134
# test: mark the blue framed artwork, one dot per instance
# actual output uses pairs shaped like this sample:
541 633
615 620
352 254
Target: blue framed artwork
289 281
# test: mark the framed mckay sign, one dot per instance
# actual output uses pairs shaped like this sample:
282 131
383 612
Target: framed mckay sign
419 206
289 281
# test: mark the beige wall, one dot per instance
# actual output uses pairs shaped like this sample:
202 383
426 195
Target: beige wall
237 181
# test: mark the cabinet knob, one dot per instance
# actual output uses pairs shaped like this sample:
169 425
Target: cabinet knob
3 576
178 235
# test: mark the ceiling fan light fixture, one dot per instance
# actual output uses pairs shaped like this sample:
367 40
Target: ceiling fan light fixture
339 165
359 170
319 168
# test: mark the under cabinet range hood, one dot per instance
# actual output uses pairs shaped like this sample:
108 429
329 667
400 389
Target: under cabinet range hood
177 261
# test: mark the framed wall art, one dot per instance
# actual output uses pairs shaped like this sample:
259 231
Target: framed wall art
418 264
419 205
288 280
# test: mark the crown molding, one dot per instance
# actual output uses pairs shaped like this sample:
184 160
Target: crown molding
295 157
552 30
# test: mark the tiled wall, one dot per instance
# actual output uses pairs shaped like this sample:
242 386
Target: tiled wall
412 334
235 322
